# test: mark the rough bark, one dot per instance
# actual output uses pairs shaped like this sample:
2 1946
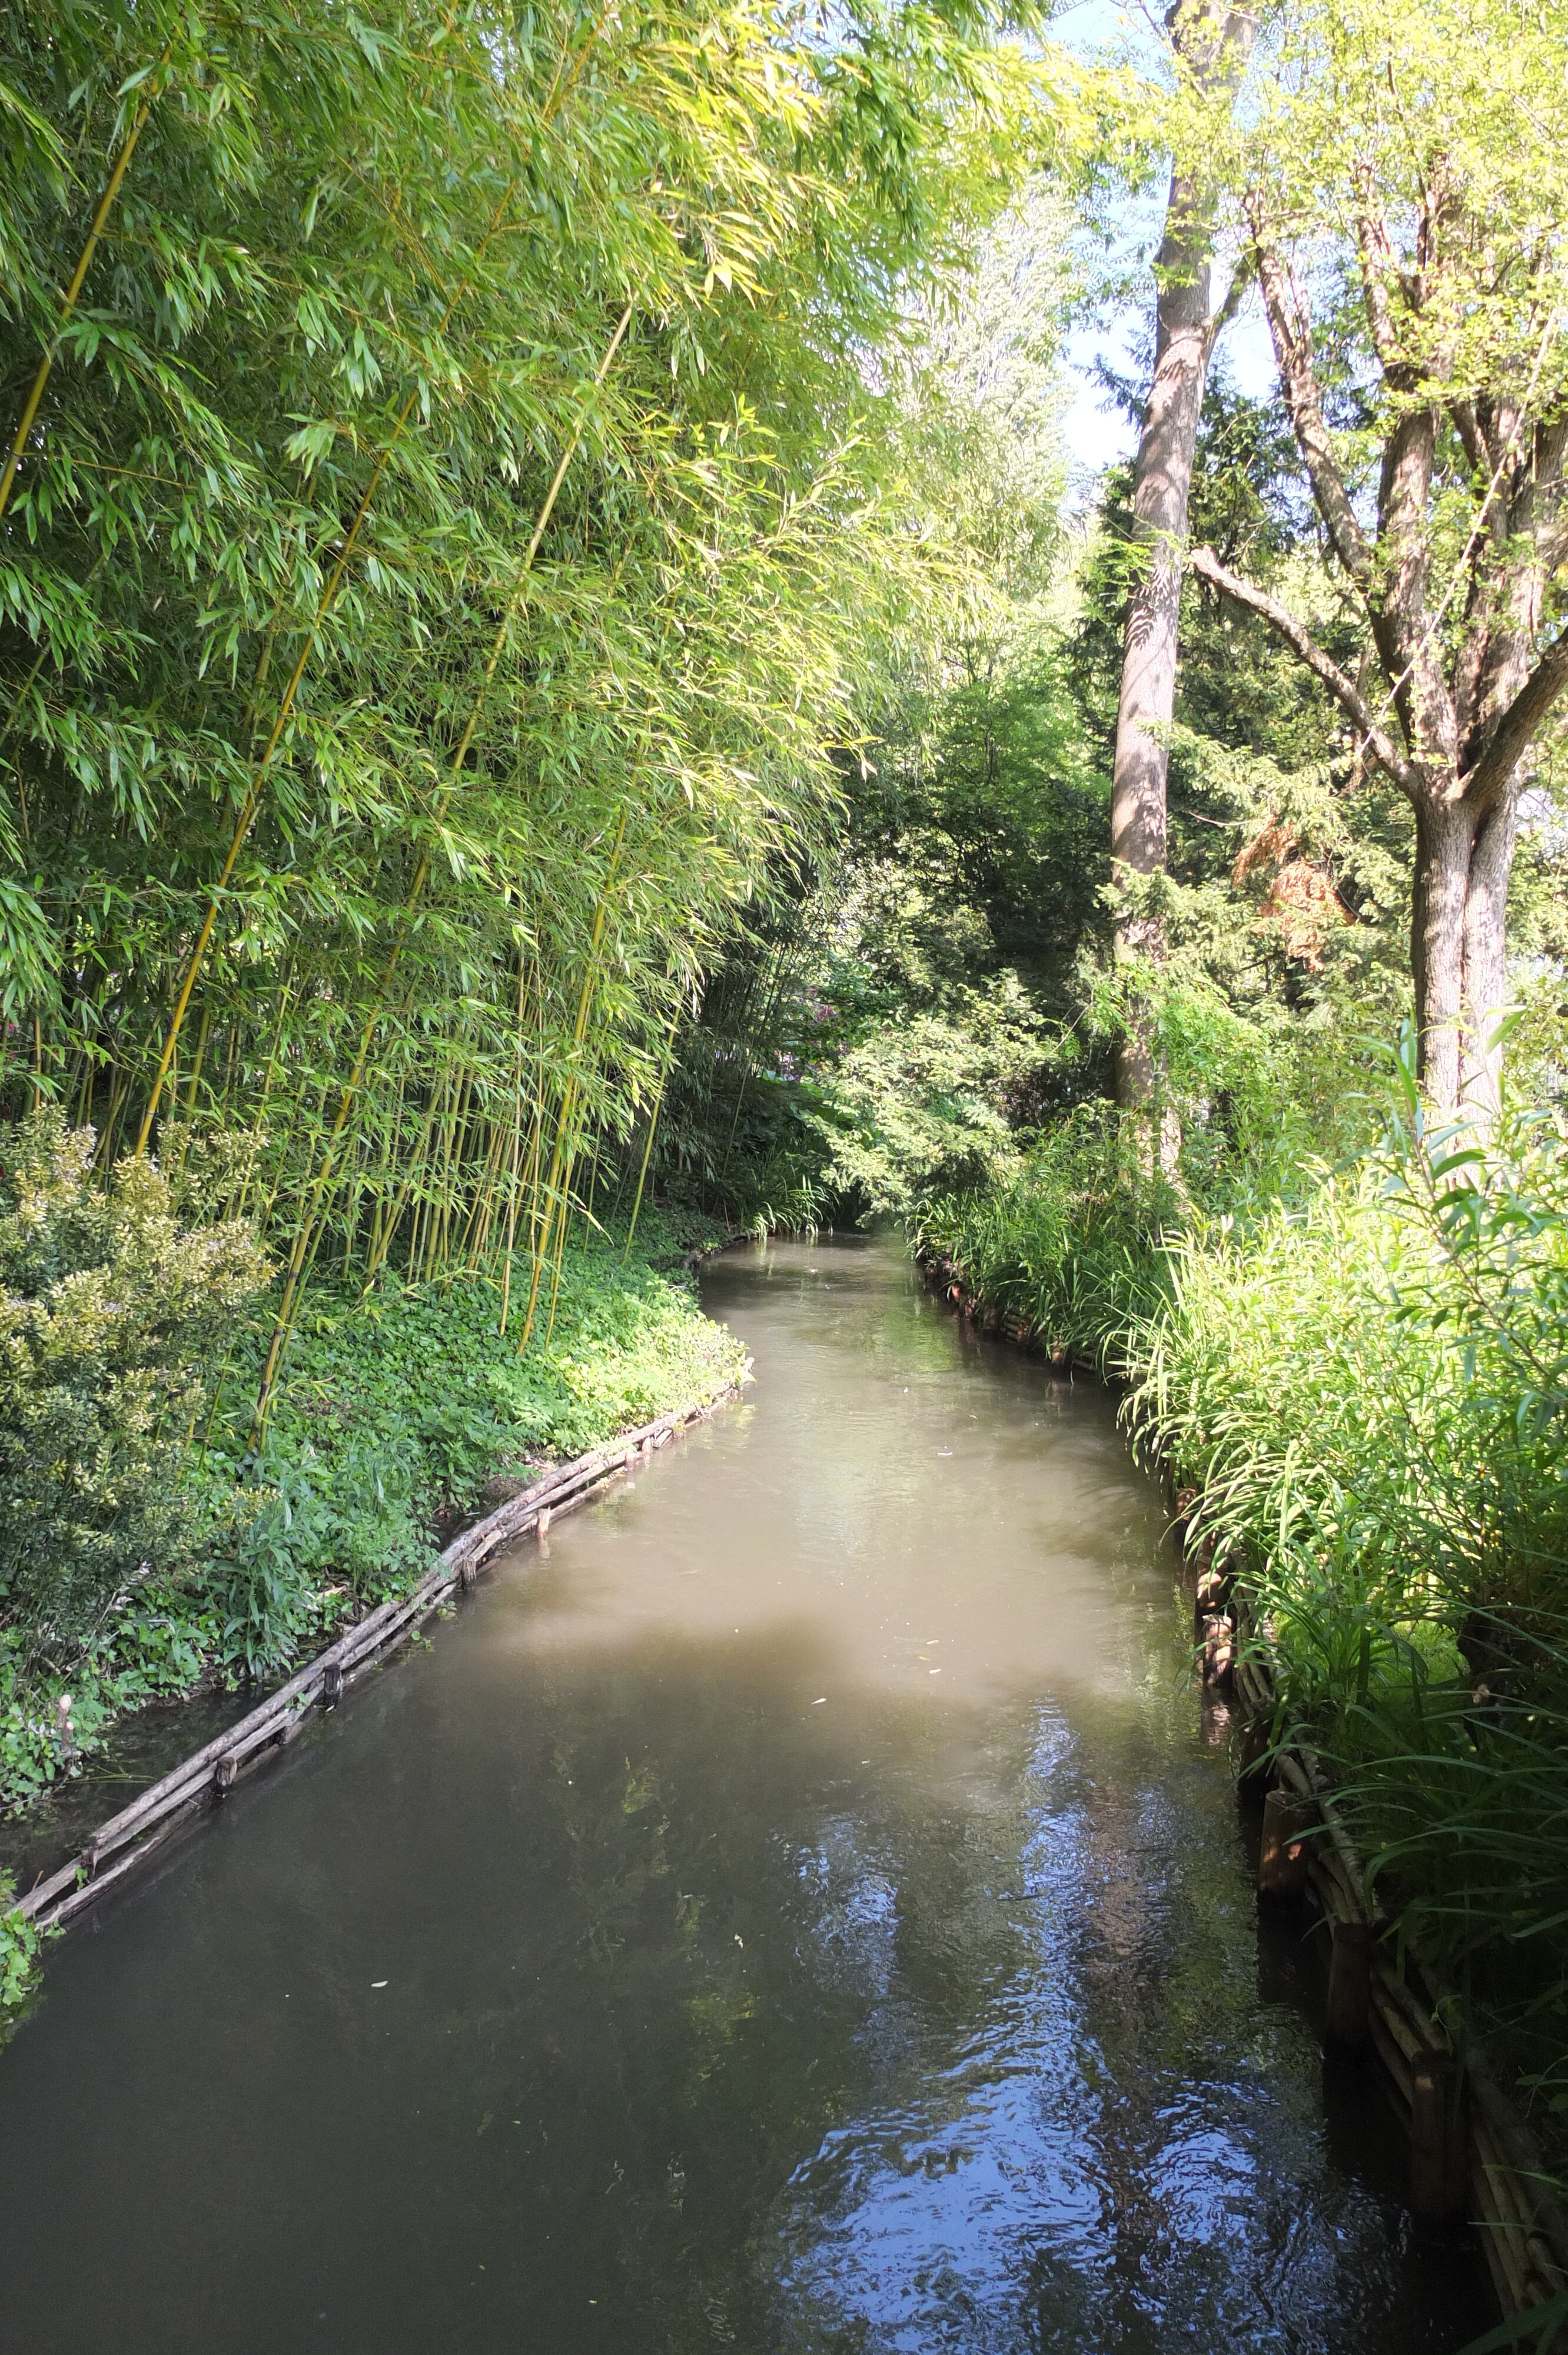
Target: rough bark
1211 46
1468 681
1467 822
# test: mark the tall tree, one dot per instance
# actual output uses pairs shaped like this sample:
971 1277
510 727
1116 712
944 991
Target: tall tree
1212 47
1406 213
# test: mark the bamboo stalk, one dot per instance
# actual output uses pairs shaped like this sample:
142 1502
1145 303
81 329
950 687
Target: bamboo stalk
351 1090
568 1127
653 1124
554 100
251 801
79 276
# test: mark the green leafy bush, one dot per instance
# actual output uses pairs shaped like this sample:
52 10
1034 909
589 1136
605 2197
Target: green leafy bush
1371 1396
19 1946
920 1101
1072 1245
109 1308
394 1411
1379 1379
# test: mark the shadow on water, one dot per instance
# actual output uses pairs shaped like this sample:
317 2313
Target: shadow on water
798 1913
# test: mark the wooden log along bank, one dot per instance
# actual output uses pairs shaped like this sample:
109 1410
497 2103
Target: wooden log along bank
120 1846
1471 2152
1472 2155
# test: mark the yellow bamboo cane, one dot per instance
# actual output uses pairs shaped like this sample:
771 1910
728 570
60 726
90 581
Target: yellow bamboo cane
298 1257
79 276
565 1150
652 1125
248 810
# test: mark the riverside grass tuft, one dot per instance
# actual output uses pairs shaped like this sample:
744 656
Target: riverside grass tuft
1367 1387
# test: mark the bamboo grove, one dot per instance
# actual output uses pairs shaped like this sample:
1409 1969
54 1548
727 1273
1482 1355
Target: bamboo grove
446 517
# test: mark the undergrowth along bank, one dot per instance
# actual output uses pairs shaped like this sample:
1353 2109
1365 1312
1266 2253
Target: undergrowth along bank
1366 1385
397 1409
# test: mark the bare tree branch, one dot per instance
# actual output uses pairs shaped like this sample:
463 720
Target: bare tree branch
1467 426
1241 278
1292 333
1376 257
1300 641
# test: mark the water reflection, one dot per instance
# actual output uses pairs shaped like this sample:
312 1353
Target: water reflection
810 1919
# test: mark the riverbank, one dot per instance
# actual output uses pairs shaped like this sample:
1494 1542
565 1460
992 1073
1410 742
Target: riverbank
400 1417
820 1834
1361 1396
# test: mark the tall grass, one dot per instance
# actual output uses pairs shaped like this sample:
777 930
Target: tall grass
1367 1388
1371 1396
1077 1246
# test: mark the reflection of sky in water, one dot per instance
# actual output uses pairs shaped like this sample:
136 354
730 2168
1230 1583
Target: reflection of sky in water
855 1910
797 1912
1016 2184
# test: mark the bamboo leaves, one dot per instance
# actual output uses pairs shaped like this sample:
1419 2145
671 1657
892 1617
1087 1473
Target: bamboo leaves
441 566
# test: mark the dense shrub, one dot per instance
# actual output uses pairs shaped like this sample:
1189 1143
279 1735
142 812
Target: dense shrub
394 1411
1379 1378
110 1311
398 1407
1074 1243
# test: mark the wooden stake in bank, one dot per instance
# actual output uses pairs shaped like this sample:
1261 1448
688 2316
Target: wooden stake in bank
1282 1862
1348 2021
1438 2138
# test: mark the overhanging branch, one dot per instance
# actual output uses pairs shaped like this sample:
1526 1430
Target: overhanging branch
1292 335
1517 726
1302 644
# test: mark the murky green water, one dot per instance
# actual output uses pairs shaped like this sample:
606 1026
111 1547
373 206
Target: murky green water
800 1913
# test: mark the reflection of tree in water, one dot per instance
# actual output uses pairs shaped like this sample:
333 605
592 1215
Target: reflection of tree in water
835 2057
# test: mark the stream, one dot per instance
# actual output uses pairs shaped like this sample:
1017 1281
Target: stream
794 1908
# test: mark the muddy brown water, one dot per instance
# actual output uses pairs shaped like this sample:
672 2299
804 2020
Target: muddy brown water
799 1912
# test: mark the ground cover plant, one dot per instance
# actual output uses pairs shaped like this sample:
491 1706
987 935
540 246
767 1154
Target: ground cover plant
395 1410
179 1557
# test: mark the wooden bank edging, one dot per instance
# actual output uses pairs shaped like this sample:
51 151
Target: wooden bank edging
118 1846
1472 2152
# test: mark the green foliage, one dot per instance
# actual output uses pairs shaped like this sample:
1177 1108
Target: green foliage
921 1105
19 1949
1073 1245
108 1306
1377 1380
1371 1396
393 1412
458 530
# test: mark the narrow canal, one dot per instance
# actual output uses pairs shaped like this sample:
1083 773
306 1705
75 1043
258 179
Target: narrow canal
801 1912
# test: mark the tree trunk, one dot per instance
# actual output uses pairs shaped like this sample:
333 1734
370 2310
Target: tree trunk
1214 49
1459 917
